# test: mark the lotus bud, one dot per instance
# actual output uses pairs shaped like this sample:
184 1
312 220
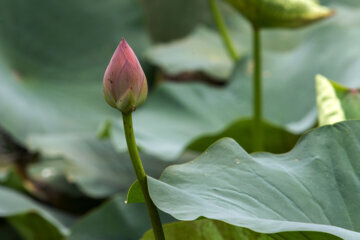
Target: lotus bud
124 84
281 13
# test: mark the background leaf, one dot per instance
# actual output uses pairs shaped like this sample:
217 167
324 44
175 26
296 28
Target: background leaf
280 140
34 227
98 169
29 217
201 51
43 92
114 220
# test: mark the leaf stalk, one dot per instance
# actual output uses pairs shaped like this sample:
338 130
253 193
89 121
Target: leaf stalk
258 132
222 29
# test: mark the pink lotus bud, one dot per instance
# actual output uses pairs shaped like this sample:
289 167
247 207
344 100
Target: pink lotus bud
124 85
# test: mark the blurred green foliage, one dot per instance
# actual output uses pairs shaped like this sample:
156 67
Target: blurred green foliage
53 55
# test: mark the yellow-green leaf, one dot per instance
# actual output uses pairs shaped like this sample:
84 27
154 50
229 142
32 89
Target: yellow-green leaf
336 103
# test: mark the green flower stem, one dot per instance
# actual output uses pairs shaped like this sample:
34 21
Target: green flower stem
222 29
257 94
141 176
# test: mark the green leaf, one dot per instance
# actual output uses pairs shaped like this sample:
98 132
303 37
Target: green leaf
217 230
32 220
104 130
279 142
336 103
118 221
135 194
32 226
10 178
278 13
270 193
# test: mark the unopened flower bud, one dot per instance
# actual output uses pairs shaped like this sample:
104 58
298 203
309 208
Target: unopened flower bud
281 13
124 84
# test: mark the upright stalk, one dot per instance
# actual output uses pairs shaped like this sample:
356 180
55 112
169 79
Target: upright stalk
222 29
141 176
258 133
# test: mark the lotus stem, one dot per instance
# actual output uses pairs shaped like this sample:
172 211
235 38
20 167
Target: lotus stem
141 176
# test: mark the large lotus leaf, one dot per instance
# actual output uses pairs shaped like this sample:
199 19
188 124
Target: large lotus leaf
336 103
114 220
314 187
217 230
32 220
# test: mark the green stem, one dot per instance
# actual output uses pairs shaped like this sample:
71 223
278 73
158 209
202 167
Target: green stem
222 29
258 124
141 176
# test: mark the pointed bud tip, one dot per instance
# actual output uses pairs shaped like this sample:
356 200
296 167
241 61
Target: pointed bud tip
123 43
124 83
